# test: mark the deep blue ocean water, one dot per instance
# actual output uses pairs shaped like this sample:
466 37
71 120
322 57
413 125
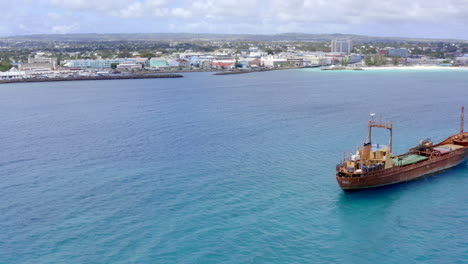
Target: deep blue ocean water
225 169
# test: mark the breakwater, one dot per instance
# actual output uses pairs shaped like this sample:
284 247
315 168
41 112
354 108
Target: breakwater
93 78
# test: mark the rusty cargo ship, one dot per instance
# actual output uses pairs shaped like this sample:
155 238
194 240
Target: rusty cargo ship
373 165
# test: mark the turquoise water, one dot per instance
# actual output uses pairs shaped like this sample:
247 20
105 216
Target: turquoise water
225 169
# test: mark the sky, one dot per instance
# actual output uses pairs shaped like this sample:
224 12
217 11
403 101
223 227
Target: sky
388 18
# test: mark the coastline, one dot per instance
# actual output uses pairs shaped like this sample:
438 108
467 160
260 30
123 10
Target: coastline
94 78
154 75
177 73
419 67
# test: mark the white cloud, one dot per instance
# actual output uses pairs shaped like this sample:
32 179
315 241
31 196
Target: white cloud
180 12
54 16
225 8
239 16
134 10
365 11
121 8
64 29
281 11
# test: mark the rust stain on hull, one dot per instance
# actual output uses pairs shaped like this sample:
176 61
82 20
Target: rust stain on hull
378 167
403 174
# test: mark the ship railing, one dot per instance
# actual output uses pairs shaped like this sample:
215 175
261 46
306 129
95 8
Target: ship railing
381 124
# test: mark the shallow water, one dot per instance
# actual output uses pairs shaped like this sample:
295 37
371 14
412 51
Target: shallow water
225 169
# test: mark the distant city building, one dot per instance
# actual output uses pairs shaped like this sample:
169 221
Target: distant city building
129 66
257 53
173 63
255 63
205 64
51 60
224 52
244 64
273 61
295 62
318 60
341 46
179 63
39 64
423 60
223 64
383 52
402 53
462 60
355 58
102 63
158 63
13 73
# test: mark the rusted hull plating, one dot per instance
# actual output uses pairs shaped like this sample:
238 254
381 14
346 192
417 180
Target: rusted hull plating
403 174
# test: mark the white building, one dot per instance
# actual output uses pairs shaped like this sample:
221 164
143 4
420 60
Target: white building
39 63
129 66
13 73
462 60
102 63
273 61
317 58
341 46
424 61
257 53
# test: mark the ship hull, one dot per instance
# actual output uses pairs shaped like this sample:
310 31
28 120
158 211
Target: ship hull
403 174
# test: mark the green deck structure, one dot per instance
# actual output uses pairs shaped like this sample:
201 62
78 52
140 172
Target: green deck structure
408 159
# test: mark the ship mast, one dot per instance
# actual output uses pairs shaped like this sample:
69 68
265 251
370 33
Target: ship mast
381 124
462 124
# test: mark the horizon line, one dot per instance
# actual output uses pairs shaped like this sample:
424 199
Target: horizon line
230 34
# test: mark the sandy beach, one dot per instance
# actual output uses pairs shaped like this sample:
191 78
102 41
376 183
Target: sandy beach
419 67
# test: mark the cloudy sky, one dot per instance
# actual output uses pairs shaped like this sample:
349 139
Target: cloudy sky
401 18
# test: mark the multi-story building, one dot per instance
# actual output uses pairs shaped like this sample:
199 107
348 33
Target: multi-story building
462 60
159 63
51 60
318 60
39 64
344 46
271 61
129 66
179 63
355 58
223 64
401 52
13 73
102 63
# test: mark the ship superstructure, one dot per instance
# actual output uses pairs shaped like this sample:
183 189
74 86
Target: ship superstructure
374 165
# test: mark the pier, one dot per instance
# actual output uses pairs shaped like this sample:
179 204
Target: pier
93 78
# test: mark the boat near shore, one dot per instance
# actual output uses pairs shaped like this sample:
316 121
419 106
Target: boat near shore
373 165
